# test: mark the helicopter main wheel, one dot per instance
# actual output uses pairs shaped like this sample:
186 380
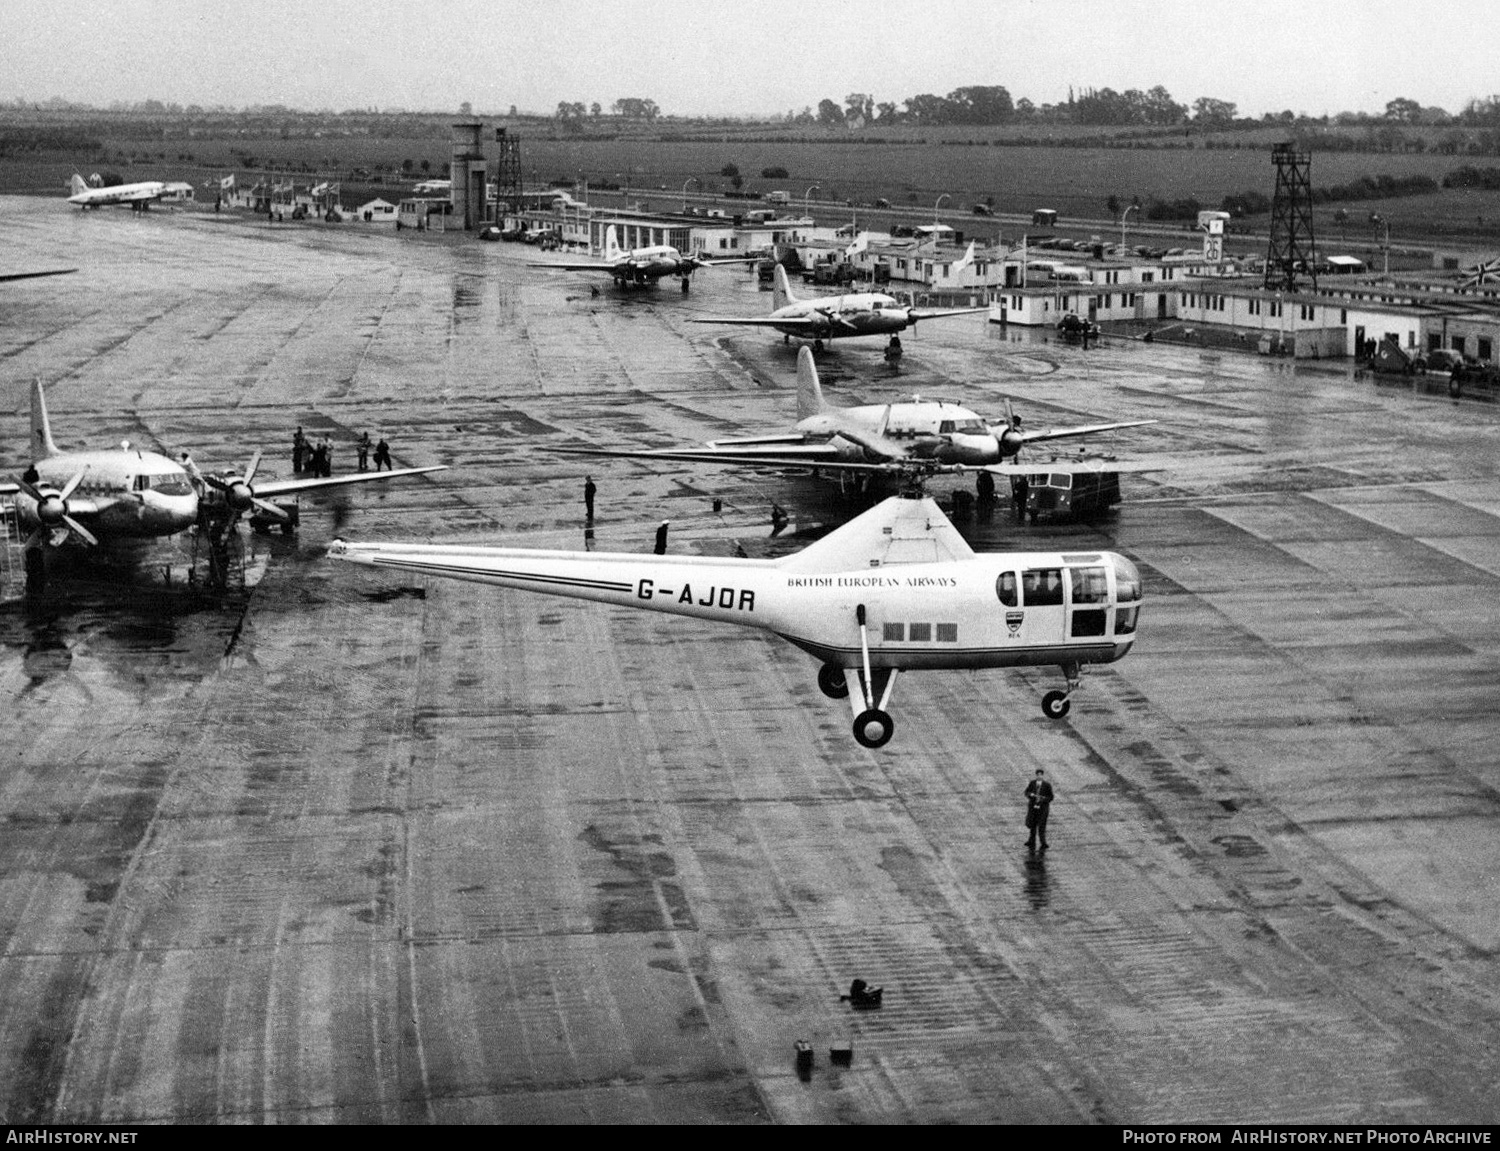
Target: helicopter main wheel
873 728
817 345
1055 704
833 682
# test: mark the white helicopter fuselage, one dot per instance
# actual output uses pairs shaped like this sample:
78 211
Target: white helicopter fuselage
130 494
934 615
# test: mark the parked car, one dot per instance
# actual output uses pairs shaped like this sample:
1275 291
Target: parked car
1439 360
490 232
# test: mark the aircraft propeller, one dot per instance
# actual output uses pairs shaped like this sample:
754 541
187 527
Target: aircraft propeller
1009 437
239 493
52 513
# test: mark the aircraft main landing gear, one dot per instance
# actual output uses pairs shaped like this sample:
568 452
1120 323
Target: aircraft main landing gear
684 285
873 725
36 571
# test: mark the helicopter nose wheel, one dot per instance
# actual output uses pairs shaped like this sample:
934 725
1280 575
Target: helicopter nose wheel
1055 704
873 728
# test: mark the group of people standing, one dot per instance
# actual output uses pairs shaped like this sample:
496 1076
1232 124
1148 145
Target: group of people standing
315 457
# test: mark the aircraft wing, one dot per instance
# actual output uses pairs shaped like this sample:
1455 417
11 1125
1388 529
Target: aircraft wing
1085 430
287 487
749 455
939 313
715 261
1073 467
595 267
767 321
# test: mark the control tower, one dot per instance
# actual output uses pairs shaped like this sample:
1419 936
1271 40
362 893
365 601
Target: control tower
467 172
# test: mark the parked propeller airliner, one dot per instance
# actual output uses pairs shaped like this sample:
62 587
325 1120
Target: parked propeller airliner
139 195
126 493
838 317
895 589
640 266
882 437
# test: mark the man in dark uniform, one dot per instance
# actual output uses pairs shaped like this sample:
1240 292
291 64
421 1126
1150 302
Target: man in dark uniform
1038 801
299 449
589 488
661 538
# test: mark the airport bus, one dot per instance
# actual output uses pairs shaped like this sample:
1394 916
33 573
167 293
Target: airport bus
1077 494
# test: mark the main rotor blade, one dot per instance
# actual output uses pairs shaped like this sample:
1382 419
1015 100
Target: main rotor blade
251 466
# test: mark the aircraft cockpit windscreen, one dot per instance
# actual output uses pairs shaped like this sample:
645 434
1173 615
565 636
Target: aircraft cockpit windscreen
167 483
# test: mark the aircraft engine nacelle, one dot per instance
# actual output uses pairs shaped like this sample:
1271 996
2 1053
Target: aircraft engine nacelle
1010 442
51 506
962 448
238 495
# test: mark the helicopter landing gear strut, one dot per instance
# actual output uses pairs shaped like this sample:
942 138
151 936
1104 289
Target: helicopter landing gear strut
1055 704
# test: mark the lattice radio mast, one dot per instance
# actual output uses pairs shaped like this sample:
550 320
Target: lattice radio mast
507 174
1291 249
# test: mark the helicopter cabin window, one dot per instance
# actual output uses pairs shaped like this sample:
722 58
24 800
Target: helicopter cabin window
1042 587
945 427
1005 588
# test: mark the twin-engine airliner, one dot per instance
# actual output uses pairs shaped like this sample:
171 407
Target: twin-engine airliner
640 266
895 589
881 437
116 495
838 317
139 195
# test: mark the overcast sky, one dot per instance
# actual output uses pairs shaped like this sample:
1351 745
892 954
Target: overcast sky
749 56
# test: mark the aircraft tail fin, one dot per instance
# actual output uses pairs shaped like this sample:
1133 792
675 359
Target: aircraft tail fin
612 250
809 391
42 445
76 185
782 295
